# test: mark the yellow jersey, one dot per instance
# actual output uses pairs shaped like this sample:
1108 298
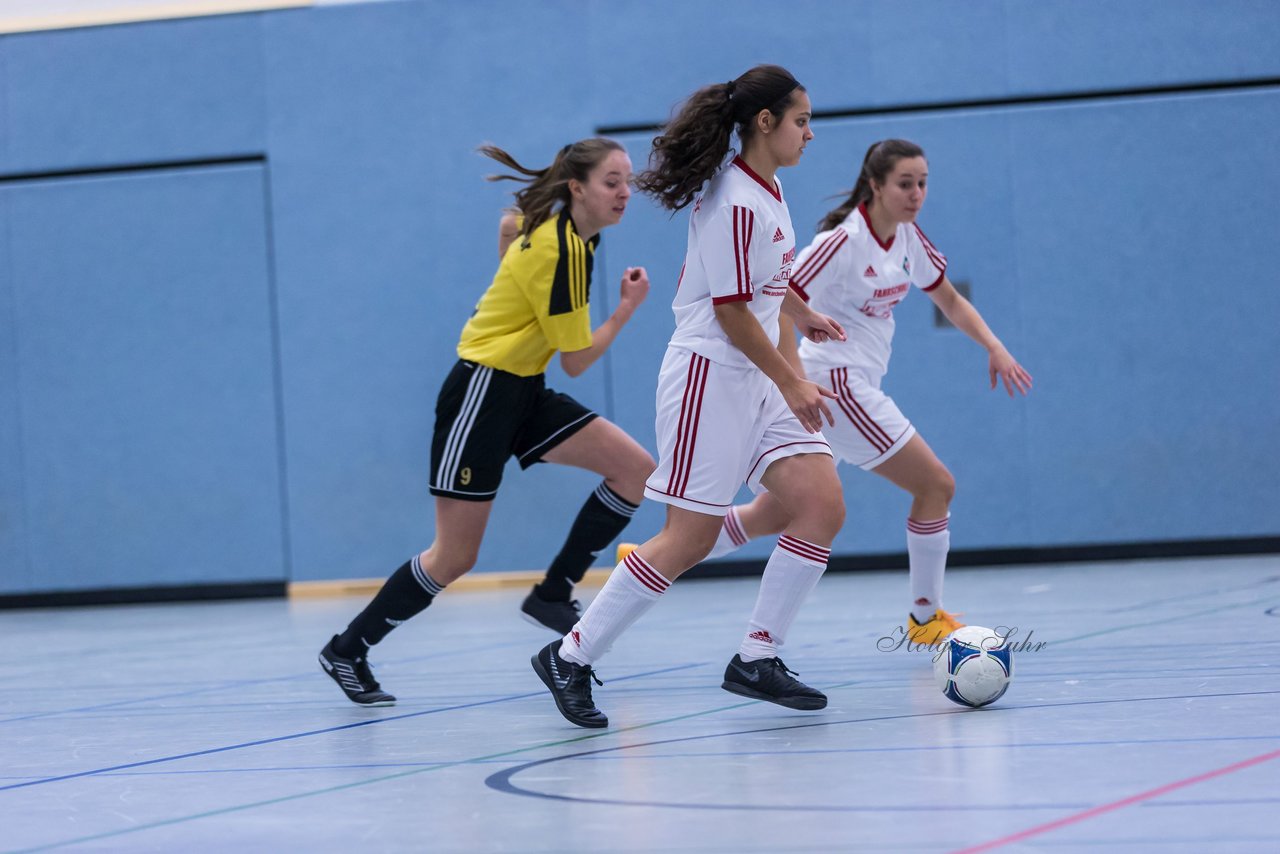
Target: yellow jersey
538 302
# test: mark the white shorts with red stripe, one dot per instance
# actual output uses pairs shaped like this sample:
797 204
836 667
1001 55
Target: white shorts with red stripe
719 427
870 428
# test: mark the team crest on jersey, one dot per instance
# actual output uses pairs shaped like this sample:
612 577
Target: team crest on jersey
782 276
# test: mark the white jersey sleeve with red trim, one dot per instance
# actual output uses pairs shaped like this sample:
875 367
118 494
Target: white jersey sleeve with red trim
820 263
724 249
928 265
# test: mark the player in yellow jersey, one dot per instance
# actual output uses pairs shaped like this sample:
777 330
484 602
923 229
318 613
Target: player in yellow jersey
495 404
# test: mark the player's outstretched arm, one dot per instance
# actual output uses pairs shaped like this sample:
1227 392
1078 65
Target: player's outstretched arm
634 289
1001 366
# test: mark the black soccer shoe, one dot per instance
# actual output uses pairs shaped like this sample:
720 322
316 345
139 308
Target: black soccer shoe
570 686
769 679
354 678
560 617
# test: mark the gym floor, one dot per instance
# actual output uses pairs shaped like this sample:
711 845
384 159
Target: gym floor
1144 714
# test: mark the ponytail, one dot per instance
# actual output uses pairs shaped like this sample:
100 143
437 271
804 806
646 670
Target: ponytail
547 187
879 161
694 143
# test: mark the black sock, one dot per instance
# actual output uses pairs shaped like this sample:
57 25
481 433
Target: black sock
599 522
407 592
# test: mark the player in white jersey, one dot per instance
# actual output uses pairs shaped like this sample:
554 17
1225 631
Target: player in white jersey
730 407
867 257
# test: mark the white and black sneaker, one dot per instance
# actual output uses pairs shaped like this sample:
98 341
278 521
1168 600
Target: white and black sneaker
354 678
570 686
560 617
769 679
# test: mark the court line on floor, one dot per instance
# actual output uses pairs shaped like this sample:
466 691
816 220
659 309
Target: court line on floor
1196 595
324 731
293 769
544 745
513 752
502 780
358 783
229 685
1119 804
1164 620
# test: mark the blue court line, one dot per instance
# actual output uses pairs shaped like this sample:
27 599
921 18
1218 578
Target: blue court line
530 748
325 731
502 780
534 747
1164 620
710 753
1198 595
231 685
227 686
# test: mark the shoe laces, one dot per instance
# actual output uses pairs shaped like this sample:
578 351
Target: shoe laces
582 673
365 674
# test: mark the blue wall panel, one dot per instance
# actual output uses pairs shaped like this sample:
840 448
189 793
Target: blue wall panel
1152 251
381 231
887 52
145 376
1105 44
14 570
168 90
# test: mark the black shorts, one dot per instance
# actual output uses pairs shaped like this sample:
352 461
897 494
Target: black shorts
485 416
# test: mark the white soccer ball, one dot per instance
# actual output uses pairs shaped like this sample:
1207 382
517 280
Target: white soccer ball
974 666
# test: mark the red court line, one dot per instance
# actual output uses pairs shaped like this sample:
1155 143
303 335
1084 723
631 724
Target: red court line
1115 805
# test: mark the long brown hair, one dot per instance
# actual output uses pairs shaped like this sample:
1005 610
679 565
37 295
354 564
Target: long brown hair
549 186
881 157
693 144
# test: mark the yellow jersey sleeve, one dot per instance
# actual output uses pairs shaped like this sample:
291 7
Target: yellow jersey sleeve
538 303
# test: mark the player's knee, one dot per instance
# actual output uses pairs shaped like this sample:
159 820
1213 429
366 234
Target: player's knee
639 466
941 487
457 562
700 545
823 513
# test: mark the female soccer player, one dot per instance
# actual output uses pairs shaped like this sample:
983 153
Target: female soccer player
495 403
867 255
730 408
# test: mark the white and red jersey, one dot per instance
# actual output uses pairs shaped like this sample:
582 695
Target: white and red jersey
850 275
741 247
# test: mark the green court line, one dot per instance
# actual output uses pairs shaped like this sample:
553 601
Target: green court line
548 744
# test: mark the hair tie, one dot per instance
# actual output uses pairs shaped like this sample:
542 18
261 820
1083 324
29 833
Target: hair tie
729 88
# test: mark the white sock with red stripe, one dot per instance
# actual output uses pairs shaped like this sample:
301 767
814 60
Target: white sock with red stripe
927 547
732 535
632 588
793 569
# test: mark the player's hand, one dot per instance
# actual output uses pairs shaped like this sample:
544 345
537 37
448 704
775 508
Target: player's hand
1002 366
819 328
635 286
805 400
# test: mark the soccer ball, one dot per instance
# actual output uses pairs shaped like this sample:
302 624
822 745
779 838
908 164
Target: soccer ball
973 666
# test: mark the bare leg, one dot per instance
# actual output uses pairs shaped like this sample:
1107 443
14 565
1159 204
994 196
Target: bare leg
916 469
